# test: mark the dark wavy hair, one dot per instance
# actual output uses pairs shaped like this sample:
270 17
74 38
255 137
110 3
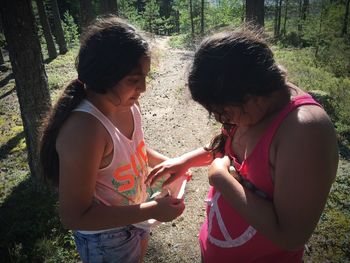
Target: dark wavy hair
230 66
109 50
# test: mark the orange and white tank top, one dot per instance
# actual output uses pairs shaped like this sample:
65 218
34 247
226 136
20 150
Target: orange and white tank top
122 181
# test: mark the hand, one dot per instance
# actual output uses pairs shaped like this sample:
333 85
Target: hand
168 208
175 167
218 170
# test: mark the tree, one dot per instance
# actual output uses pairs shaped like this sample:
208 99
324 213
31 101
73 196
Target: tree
108 7
284 30
150 15
28 69
2 61
277 21
191 18
86 13
51 49
344 30
255 12
59 34
303 11
202 17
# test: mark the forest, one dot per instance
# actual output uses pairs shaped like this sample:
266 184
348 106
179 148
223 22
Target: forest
39 40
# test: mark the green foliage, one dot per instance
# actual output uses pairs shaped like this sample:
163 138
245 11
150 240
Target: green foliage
224 14
304 71
182 41
32 231
126 9
70 30
331 239
62 70
151 16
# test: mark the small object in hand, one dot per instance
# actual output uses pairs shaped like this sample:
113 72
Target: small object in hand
231 169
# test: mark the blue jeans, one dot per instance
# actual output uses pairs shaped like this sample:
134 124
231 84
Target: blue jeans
122 244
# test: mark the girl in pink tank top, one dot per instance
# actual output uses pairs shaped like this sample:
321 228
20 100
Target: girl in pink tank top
271 167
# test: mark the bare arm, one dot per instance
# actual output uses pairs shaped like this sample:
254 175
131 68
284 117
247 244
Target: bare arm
81 145
155 157
180 165
305 167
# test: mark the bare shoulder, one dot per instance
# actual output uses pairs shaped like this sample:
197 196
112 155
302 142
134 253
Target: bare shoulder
309 120
80 130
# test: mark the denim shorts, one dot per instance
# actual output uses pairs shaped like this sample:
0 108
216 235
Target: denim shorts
122 244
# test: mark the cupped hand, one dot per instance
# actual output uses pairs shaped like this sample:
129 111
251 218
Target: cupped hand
218 169
175 167
168 208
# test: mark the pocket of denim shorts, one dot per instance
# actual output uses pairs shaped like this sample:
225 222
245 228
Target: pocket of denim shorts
119 236
82 247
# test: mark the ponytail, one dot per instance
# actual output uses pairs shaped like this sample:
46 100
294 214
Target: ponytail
69 100
217 144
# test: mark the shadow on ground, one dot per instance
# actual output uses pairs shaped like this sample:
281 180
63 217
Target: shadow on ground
28 217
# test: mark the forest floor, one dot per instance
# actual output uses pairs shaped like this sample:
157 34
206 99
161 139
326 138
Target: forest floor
174 124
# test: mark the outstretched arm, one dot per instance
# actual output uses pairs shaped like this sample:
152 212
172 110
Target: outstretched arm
180 165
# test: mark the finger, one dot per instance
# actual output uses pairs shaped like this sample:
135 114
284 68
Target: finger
171 179
226 160
158 176
152 173
176 201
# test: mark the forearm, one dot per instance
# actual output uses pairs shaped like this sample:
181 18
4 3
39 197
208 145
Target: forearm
99 216
155 157
197 158
258 212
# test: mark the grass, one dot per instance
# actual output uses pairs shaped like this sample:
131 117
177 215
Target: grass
30 228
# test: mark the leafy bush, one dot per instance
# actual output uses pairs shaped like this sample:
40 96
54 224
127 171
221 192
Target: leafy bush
70 29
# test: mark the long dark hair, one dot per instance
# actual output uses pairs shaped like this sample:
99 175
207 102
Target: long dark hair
230 66
109 50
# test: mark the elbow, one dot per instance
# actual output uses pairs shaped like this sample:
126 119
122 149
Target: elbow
69 221
293 242
293 245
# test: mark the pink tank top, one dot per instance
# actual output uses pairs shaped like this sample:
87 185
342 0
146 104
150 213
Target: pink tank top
225 236
122 181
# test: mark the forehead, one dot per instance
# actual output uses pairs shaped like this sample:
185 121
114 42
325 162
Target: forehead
143 67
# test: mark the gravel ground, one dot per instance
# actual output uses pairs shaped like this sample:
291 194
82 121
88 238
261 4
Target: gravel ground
174 124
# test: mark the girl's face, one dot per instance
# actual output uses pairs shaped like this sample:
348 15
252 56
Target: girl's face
129 88
245 115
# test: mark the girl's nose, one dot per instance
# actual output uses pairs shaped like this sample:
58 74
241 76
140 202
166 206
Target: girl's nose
142 86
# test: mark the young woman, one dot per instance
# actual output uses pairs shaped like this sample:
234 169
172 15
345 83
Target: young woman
272 166
93 147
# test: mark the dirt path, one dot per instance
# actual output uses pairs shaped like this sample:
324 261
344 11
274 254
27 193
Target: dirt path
174 124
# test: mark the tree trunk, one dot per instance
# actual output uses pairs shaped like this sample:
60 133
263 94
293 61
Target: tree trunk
191 18
29 71
344 30
86 13
61 41
177 21
305 9
51 49
2 61
279 16
284 30
275 31
255 12
202 17
108 7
